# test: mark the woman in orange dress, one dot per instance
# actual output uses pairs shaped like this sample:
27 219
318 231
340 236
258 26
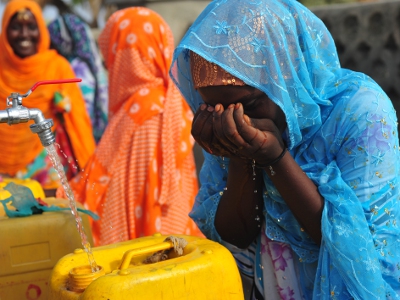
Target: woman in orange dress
142 177
26 58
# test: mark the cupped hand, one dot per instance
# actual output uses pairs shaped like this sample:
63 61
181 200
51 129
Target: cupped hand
203 131
257 139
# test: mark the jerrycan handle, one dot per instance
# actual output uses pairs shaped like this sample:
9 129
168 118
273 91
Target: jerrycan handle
126 259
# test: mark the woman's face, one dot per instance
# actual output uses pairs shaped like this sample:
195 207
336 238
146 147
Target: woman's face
23 34
256 103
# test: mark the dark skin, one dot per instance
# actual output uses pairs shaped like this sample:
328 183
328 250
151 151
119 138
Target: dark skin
242 123
23 34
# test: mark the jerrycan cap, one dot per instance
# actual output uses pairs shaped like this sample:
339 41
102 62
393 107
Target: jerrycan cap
80 277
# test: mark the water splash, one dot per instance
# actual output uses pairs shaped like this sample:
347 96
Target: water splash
55 159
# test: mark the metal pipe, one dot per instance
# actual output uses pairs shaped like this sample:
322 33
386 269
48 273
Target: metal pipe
36 115
21 114
3 116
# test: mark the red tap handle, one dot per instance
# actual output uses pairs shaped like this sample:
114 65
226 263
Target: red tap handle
54 82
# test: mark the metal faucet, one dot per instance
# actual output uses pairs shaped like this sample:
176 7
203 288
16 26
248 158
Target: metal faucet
21 114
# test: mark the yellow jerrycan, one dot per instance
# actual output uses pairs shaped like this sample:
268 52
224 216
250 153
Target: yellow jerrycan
31 246
149 268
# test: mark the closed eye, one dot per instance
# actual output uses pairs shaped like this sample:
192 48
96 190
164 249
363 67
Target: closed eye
32 27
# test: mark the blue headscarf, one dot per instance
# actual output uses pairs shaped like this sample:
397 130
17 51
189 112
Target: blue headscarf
341 130
279 47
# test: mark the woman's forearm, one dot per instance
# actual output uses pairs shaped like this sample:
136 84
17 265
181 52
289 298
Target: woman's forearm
240 212
300 194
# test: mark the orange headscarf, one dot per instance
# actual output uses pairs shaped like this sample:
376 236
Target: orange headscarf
19 145
142 177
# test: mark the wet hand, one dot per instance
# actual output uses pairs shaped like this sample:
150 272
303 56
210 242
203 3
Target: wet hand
257 139
203 133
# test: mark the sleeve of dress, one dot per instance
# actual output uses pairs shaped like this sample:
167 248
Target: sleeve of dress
212 176
359 255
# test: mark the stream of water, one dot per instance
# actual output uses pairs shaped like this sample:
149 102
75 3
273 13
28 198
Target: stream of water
55 159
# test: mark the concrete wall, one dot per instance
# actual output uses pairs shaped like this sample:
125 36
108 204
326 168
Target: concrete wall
367 37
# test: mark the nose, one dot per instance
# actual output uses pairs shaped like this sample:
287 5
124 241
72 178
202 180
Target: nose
24 31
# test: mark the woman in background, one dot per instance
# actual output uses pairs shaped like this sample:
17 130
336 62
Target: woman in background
142 178
73 39
26 58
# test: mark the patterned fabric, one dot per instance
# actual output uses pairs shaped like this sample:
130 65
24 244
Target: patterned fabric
205 73
341 130
73 39
20 147
142 177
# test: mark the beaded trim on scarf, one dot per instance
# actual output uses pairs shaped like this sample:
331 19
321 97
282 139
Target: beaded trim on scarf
205 73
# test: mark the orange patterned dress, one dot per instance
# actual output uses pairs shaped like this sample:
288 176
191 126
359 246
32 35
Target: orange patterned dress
142 177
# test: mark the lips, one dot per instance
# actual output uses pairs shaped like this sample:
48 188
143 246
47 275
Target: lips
24 48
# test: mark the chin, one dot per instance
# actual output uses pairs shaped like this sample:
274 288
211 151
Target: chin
23 54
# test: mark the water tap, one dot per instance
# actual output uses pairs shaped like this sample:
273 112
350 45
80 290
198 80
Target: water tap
18 113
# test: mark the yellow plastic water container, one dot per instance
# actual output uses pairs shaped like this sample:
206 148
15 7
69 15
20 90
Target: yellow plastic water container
31 246
205 270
